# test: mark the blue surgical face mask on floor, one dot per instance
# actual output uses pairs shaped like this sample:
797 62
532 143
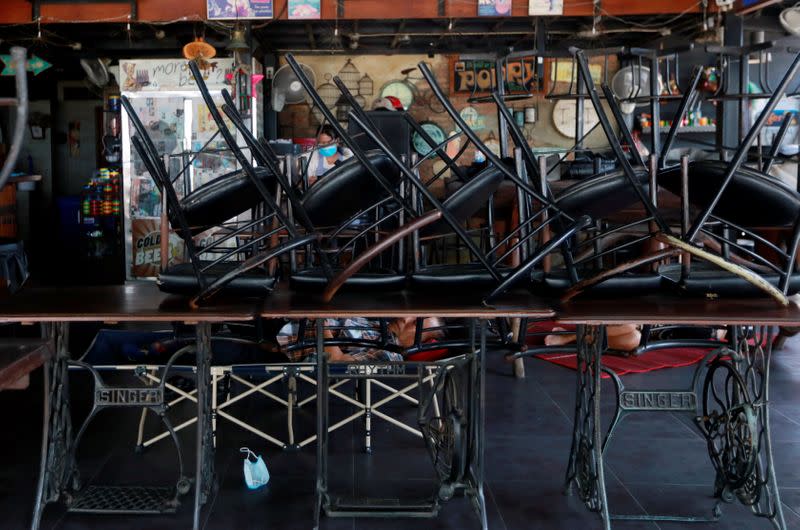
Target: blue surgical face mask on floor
328 150
255 470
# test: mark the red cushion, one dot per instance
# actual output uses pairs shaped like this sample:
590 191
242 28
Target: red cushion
537 331
429 355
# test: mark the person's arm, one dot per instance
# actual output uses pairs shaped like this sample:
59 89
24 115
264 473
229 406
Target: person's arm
335 353
309 160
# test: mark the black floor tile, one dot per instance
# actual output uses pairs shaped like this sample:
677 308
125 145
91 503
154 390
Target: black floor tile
791 499
528 505
694 501
456 513
655 464
672 461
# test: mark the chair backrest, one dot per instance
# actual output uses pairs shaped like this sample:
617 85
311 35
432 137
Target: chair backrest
247 167
348 189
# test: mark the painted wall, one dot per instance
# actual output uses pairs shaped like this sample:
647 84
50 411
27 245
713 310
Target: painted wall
75 171
297 120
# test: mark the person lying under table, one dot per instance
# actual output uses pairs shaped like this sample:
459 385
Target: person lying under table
400 332
622 337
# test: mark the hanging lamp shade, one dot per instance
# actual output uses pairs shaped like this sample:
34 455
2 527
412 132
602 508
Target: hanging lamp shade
199 49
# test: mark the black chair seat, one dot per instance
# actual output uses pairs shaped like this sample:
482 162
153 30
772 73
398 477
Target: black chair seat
180 279
348 188
452 276
221 199
601 196
705 279
627 284
315 280
752 199
468 199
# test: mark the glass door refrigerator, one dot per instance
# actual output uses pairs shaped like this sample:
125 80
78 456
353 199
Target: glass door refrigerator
166 99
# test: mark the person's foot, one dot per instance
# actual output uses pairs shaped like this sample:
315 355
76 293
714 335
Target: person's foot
559 340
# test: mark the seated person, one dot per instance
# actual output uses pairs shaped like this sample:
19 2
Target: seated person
401 333
327 153
623 337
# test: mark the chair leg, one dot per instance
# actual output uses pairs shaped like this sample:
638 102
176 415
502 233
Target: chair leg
140 434
368 416
142 420
214 400
291 399
516 332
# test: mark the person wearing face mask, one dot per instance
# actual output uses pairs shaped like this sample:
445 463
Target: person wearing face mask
327 153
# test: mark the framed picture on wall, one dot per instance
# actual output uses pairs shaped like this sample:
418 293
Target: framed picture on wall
37 132
238 9
560 75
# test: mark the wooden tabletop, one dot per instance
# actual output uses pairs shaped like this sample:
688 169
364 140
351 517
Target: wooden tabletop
289 304
19 357
143 302
670 309
134 302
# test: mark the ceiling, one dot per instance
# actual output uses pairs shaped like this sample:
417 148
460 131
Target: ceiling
65 44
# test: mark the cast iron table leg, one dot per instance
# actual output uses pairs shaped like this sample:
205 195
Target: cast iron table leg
55 467
204 471
585 468
322 423
735 421
480 387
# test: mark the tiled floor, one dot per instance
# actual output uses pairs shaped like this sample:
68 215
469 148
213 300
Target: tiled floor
655 465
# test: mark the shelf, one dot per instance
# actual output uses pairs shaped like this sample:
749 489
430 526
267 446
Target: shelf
691 129
571 96
647 99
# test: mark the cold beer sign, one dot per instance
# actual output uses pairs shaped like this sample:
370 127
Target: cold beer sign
146 248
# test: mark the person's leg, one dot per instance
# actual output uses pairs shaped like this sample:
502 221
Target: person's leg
625 337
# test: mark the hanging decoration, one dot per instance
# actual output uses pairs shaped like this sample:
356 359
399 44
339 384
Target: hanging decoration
330 96
473 118
304 9
366 87
238 9
343 110
350 76
494 8
35 64
254 80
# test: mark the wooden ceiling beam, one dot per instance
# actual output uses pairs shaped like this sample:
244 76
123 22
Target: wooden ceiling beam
19 11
